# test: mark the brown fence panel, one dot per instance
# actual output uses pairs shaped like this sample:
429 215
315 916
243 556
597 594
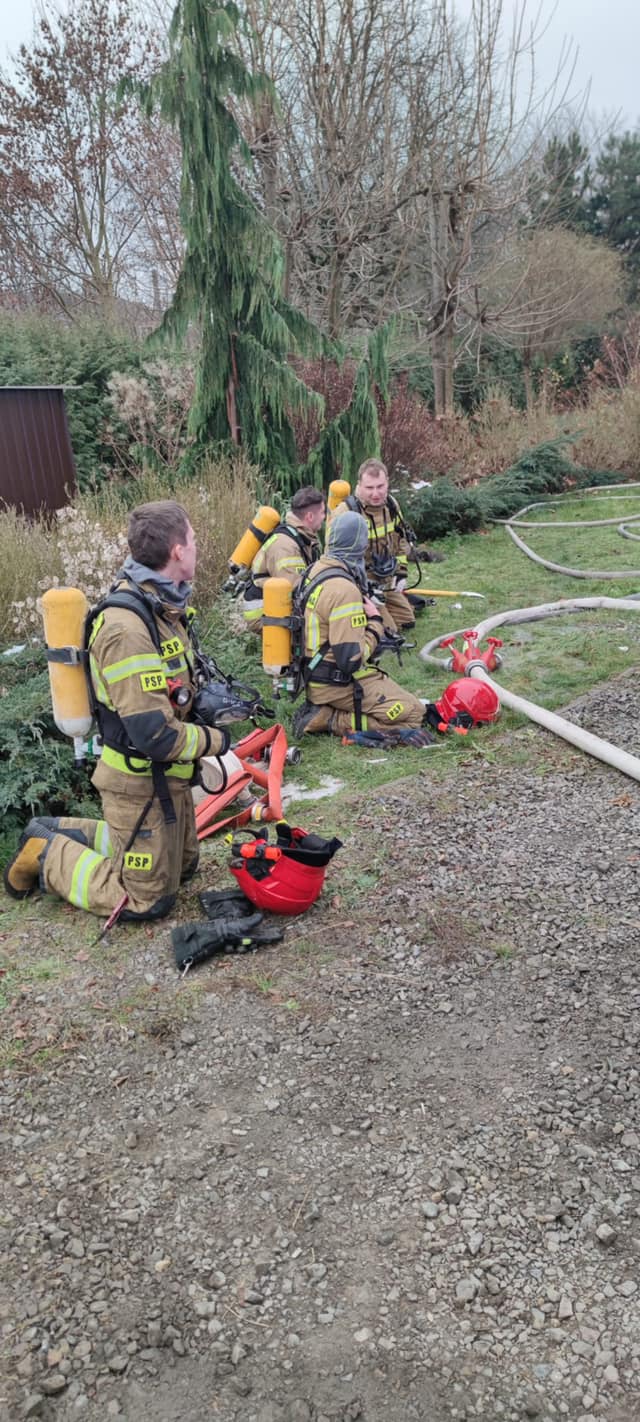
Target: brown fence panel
37 468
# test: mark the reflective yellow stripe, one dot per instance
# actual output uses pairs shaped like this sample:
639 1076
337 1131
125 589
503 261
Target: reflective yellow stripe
364 722
346 609
296 563
313 633
191 744
116 761
96 628
85 865
252 614
119 671
363 672
102 840
99 687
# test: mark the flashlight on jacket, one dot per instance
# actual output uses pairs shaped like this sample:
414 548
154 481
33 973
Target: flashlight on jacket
179 694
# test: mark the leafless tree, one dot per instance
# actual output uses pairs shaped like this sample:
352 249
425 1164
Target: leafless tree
88 189
553 285
339 159
488 114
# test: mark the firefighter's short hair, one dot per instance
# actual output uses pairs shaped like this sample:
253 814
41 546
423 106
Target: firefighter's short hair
154 529
308 497
372 466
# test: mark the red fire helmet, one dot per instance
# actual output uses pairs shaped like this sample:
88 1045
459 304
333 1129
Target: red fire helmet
468 702
285 877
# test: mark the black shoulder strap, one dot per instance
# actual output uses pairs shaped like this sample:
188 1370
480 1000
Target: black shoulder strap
304 589
353 503
398 514
298 538
132 602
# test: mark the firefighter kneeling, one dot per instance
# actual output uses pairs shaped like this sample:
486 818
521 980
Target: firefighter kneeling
343 630
139 645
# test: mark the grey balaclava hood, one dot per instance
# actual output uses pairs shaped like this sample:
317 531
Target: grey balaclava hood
347 540
175 594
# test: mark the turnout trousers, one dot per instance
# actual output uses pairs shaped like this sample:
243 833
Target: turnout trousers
399 610
384 704
98 865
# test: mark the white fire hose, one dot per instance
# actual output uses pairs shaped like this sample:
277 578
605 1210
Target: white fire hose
583 740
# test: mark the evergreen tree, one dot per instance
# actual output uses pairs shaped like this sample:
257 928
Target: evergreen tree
354 434
232 274
615 201
558 192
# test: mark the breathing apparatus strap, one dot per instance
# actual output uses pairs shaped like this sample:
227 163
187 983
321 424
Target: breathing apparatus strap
357 704
112 732
299 539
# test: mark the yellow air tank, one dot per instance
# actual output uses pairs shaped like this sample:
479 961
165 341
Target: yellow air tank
64 611
339 490
259 529
276 640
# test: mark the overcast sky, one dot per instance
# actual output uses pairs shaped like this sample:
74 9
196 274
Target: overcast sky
606 33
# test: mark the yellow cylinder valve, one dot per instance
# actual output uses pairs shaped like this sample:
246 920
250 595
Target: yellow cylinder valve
339 490
64 611
276 634
255 535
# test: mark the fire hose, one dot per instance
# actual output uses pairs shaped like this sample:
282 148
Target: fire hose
471 662
517 520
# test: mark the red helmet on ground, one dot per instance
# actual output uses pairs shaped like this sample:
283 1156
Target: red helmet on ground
468 702
285 877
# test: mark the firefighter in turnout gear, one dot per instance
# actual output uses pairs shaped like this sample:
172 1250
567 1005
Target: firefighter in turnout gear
287 553
343 629
141 663
389 550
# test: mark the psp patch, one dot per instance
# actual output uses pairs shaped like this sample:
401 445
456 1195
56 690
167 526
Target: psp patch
138 861
358 620
172 648
395 711
153 681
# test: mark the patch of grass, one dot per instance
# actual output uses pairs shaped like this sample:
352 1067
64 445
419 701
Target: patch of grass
504 952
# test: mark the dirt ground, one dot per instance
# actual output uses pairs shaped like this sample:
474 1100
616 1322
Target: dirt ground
389 1170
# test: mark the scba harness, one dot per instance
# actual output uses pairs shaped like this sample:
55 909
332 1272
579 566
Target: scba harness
285 877
254 589
112 732
317 668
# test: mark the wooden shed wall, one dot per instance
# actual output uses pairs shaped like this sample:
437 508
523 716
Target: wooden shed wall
37 468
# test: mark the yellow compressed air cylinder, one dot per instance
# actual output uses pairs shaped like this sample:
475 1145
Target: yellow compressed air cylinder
339 490
64 611
276 640
259 529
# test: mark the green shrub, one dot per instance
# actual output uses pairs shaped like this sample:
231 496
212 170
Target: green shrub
35 350
38 774
445 508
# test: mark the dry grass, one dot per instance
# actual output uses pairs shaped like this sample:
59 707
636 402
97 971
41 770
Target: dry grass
85 547
220 502
499 434
28 556
611 425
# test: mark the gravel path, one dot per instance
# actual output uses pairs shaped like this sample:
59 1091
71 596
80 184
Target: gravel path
388 1171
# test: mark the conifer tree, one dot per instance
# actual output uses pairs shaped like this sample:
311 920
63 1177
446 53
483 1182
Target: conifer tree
232 274
354 434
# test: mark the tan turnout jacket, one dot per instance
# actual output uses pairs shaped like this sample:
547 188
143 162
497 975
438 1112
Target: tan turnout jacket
132 678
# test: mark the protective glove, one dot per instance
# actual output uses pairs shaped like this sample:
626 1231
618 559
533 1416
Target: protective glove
194 943
400 585
226 903
416 736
